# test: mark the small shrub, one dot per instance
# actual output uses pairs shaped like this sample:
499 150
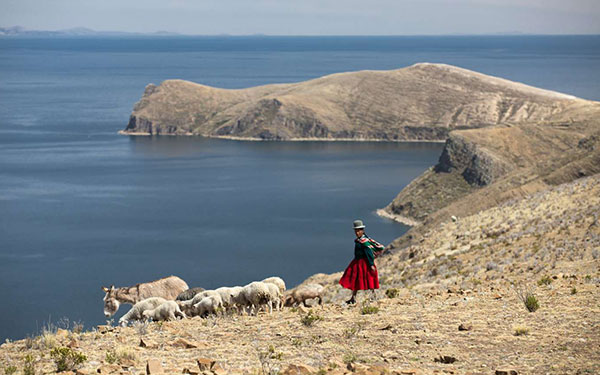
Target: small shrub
10 370
267 360
527 297
354 330
322 371
349 358
67 359
310 318
392 293
573 290
77 327
47 340
28 365
368 309
141 327
118 355
29 342
111 356
531 303
546 280
521 331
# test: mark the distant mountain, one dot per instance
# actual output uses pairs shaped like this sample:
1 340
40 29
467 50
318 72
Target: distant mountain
76 31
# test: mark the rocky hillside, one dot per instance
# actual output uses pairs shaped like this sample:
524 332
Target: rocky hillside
449 304
480 168
420 102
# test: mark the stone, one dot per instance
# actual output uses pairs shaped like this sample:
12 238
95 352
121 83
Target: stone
109 369
74 343
410 371
105 329
218 370
377 370
147 343
83 371
62 332
465 327
445 359
205 364
298 369
153 366
390 355
506 372
185 344
127 363
189 371
359 368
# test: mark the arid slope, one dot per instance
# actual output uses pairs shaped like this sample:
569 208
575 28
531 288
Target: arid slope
462 274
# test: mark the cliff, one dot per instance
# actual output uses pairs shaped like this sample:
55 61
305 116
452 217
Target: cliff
420 102
481 168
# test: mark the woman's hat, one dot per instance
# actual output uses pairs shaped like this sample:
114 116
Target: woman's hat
358 224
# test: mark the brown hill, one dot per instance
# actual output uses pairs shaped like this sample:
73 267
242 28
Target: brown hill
420 102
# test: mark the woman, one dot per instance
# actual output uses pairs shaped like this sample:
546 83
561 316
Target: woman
361 273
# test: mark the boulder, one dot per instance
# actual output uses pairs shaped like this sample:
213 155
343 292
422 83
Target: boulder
153 366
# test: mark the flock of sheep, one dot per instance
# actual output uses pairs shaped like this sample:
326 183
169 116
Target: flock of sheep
268 294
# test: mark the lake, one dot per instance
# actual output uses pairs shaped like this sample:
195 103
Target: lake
82 207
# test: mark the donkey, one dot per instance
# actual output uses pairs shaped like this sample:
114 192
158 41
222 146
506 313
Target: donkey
167 288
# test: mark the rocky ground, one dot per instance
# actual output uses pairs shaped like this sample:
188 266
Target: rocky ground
448 304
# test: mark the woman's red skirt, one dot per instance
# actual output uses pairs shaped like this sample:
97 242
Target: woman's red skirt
359 276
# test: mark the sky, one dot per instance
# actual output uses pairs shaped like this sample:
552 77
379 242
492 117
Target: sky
309 17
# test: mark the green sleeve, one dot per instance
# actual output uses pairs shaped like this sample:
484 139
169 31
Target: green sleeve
369 253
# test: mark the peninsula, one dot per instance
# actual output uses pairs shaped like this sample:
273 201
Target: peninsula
420 102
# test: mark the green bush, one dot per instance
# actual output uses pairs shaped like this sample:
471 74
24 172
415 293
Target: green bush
368 309
521 331
28 365
10 370
392 293
67 359
531 302
546 280
349 358
310 318
573 290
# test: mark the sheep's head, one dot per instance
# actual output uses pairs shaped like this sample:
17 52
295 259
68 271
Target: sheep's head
288 301
111 304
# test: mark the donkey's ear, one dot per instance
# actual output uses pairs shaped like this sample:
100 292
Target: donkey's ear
112 287
105 289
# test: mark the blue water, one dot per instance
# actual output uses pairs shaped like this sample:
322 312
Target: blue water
82 207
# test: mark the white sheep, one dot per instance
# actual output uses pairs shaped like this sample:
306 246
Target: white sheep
255 295
225 293
275 297
304 292
237 298
167 311
208 305
187 306
136 312
277 281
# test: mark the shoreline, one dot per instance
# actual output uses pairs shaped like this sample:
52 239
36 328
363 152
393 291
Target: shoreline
399 218
233 138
